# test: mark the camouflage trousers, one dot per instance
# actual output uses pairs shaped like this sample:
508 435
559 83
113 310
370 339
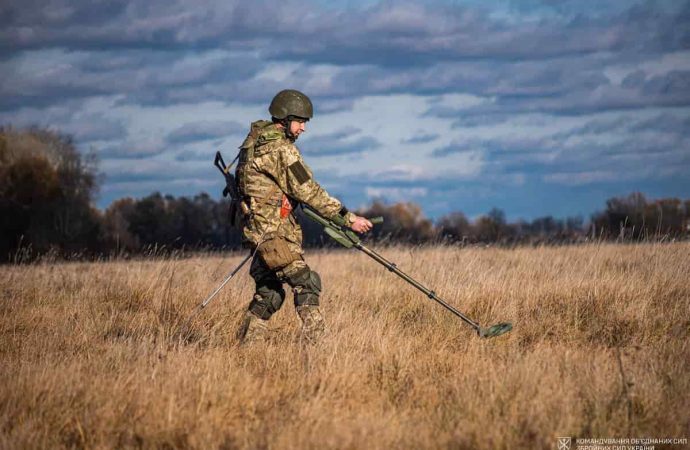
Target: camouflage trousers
269 294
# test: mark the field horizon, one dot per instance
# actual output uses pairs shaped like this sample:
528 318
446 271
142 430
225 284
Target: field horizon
91 354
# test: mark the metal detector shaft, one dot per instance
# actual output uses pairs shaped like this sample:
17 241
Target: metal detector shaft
203 304
429 293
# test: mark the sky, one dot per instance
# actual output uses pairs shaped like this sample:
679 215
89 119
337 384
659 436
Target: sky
536 107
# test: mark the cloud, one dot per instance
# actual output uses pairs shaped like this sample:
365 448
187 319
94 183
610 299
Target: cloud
204 130
330 105
601 126
164 53
339 142
666 123
624 145
453 147
147 170
421 138
72 118
581 178
337 135
396 194
526 92
401 33
132 150
339 148
191 155
474 120
398 172
96 128
45 77
380 33
668 90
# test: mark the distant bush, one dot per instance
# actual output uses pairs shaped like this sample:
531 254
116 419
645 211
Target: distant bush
402 222
47 190
199 222
636 217
46 193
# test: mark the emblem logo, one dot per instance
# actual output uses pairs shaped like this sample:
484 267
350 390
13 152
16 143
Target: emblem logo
564 443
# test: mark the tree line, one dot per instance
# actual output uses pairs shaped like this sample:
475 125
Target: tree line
47 192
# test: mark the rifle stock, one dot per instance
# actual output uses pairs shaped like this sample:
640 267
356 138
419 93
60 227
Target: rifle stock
230 186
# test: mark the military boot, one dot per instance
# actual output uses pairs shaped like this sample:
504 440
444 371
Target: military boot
253 329
313 325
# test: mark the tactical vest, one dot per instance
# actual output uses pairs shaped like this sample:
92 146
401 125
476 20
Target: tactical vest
253 186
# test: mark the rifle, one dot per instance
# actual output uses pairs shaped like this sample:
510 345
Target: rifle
230 185
340 232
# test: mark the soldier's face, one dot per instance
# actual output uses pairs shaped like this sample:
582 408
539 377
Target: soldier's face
297 127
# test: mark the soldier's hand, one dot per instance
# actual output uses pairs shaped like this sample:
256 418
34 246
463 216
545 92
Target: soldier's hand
361 225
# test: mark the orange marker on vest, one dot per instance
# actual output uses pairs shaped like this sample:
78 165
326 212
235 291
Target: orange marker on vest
285 207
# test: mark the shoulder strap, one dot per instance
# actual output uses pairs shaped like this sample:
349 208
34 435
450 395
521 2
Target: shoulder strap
257 137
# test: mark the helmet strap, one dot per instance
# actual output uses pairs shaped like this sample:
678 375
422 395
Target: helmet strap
288 133
286 125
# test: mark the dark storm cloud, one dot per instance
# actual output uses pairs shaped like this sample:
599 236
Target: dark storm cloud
404 33
161 52
153 24
389 33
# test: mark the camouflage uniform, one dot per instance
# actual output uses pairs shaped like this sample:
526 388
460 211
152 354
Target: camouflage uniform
272 179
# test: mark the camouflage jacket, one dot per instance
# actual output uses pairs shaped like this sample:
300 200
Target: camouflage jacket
272 179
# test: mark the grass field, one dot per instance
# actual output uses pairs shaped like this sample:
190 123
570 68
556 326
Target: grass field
600 349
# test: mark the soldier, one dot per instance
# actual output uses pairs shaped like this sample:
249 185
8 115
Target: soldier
272 179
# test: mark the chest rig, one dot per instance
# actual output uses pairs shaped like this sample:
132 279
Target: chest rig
254 186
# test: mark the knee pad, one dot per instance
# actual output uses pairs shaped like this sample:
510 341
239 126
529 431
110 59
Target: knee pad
267 300
306 285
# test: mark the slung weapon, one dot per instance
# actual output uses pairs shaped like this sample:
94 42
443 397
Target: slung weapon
230 185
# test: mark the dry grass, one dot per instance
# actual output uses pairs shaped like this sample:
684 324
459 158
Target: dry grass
89 356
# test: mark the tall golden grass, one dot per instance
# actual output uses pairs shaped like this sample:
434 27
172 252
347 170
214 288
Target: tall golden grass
90 355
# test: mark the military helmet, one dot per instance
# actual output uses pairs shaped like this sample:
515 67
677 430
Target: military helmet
291 103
